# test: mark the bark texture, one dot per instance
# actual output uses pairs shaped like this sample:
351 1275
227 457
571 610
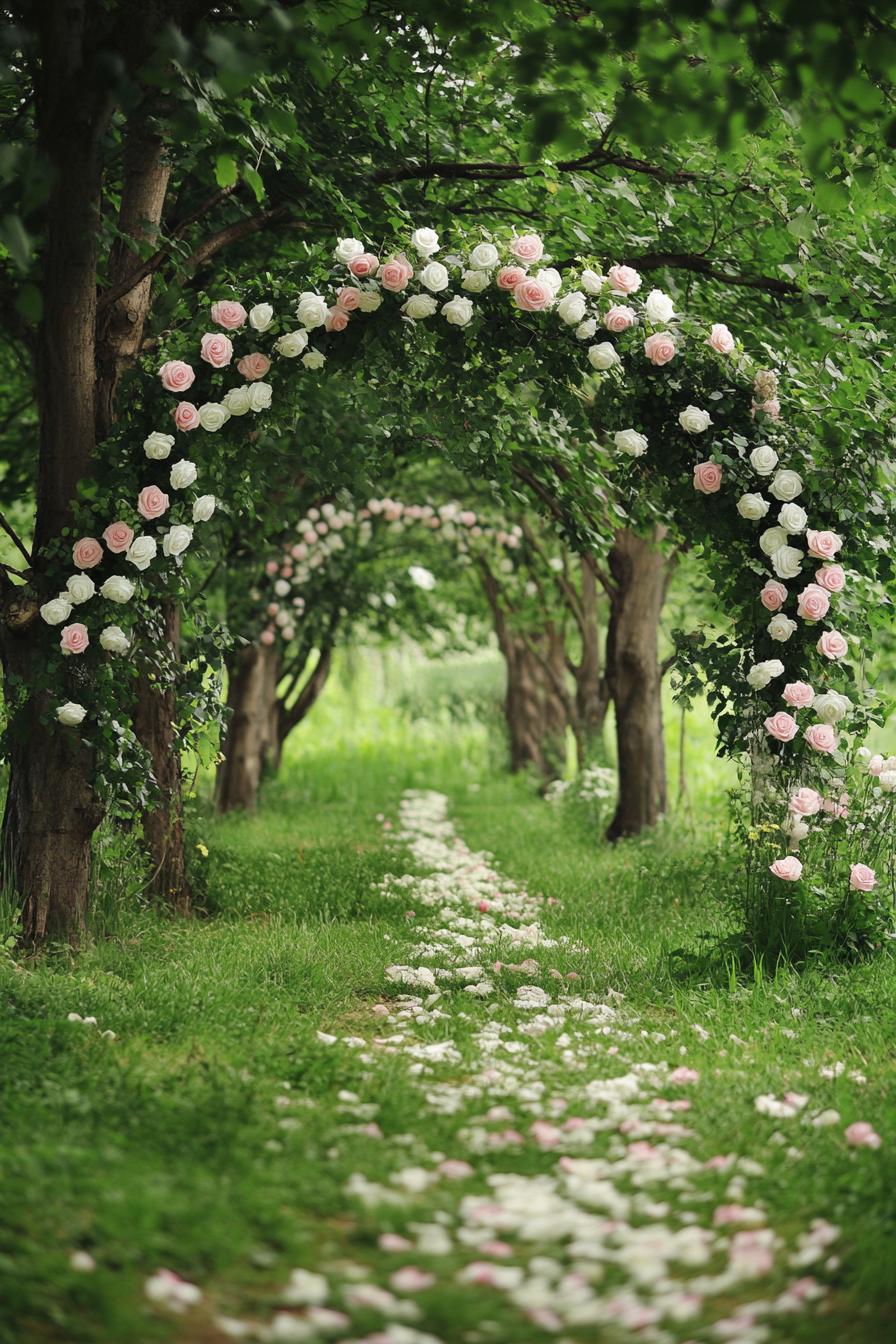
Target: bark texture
592 689
253 673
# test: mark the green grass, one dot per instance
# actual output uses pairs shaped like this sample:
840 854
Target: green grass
165 1147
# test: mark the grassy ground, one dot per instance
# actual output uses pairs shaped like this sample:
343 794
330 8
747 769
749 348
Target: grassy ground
165 1146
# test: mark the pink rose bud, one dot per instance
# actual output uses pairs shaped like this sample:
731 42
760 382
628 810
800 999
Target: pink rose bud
176 376
509 277
87 553
720 339
527 248
364 265
216 349
832 645
861 1135
822 737
619 318
799 694
623 279
395 274
813 603
823 545
348 298
533 296
253 366
831 578
707 478
152 502
781 726
118 537
267 636
185 416
862 878
74 638
805 803
660 348
773 595
337 319
789 869
229 314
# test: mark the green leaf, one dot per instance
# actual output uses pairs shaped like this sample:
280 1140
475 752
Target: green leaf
225 170
254 180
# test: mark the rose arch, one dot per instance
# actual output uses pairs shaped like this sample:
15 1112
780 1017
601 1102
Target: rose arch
671 413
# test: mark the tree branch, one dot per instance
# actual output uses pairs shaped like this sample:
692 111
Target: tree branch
700 265
16 539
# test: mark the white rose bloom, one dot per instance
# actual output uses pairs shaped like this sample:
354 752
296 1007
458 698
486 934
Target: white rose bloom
57 610
694 420
484 257
831 707
887 781
659 307
177 539
772 539
760 674
419 306
795 827
183 473
281 588
261 316
259 396
551 277
787 562
585 330
369 300
314 360
474 282
213 415
203 508
764 459
631 442
781 627
236 401
571 308
114 640
434 277
786 485
71 714
80 589
603 356
141 552
290 345
423 578
347 249
282 618
752 507
312 310
458 311
157 446
591 282
117 589
792 518
426 241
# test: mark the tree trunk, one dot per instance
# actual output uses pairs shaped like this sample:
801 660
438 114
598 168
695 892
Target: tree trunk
592 689
535 714
253 675
294 707
640 572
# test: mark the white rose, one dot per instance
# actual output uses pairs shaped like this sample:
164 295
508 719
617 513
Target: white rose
71 714
772 539
603 356
887 781
141 552
831 707
117 589
281 588
760 674
693 419
261 316
177 539
787 562
347 249
369 300
585 330
203 508
631 442
80 589
114 640
419 306
764 459
288 632
571 308
212 416
312 310
314 360
426 241
591 282
795 827
781 627
57 610
236 401
792 518
474 282
550 277
434 277
290 345
752 507
786 485
183 473
458 311
659 307
484 257
282 618
157 446
259 396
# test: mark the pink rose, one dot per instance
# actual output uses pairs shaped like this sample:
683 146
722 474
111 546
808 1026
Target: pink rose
366 264
176 376
822 737
74 638
533 296
720 339
227 313
831 578
619 318
660 347
528 248
837 807
805 803
337 319
348 298
509 277
271 567
623 279
268 636
707 477
773 595
216 349
781 726
395 274
771 408
185 415
823 545
862 878
253 366
789 869
832 645
152 502
799 694
813 603
861 1135
118 537
87 553
272 608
